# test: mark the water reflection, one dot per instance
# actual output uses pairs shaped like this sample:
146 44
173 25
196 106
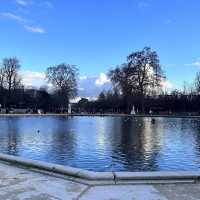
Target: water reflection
105 143
10 139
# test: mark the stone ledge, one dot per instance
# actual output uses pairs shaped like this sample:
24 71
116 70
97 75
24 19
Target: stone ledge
55 168
160 175
102 115
105 177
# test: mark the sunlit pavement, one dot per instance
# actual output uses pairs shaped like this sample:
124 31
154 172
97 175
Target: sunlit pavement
23 184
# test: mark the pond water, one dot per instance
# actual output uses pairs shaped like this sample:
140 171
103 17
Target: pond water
105 143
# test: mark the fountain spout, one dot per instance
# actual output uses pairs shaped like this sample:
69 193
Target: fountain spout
69 109
133 111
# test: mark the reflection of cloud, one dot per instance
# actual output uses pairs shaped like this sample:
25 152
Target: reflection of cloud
152 136
101 136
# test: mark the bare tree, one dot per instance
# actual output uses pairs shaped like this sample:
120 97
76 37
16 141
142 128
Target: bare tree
64 79
145 68
120 80
10 69
141 75
2 78
197 82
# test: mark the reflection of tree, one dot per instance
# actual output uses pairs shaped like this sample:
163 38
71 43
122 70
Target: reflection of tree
63 140
152 142
197 142
53 143
197 134
131 144
12 135
190 129
138 143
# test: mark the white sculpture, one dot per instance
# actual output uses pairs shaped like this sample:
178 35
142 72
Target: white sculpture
69 109
133 110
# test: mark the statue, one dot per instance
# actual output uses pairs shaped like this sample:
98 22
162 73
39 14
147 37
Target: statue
133 110
69 109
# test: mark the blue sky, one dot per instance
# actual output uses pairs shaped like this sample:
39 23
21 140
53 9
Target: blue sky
96 35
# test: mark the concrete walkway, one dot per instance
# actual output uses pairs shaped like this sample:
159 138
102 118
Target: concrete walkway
18 183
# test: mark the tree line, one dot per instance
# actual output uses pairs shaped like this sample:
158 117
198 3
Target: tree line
13 94
138 81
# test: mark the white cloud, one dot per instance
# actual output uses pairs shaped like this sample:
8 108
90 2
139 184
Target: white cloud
167 84
83 77
88 87
35 29
24 22
81 89
14 17
32 78
195 63
75 100
22 2
102 79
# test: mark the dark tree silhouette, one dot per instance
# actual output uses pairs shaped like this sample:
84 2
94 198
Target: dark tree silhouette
64 79
141 75
197 82
10 69
2 78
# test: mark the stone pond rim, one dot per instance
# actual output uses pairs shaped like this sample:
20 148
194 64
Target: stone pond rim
114 176
104 115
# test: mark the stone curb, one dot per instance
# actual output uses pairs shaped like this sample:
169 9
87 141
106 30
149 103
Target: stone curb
102 176
102 115
160 175
60 169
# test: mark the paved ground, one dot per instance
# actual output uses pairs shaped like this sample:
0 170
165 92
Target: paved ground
22 184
